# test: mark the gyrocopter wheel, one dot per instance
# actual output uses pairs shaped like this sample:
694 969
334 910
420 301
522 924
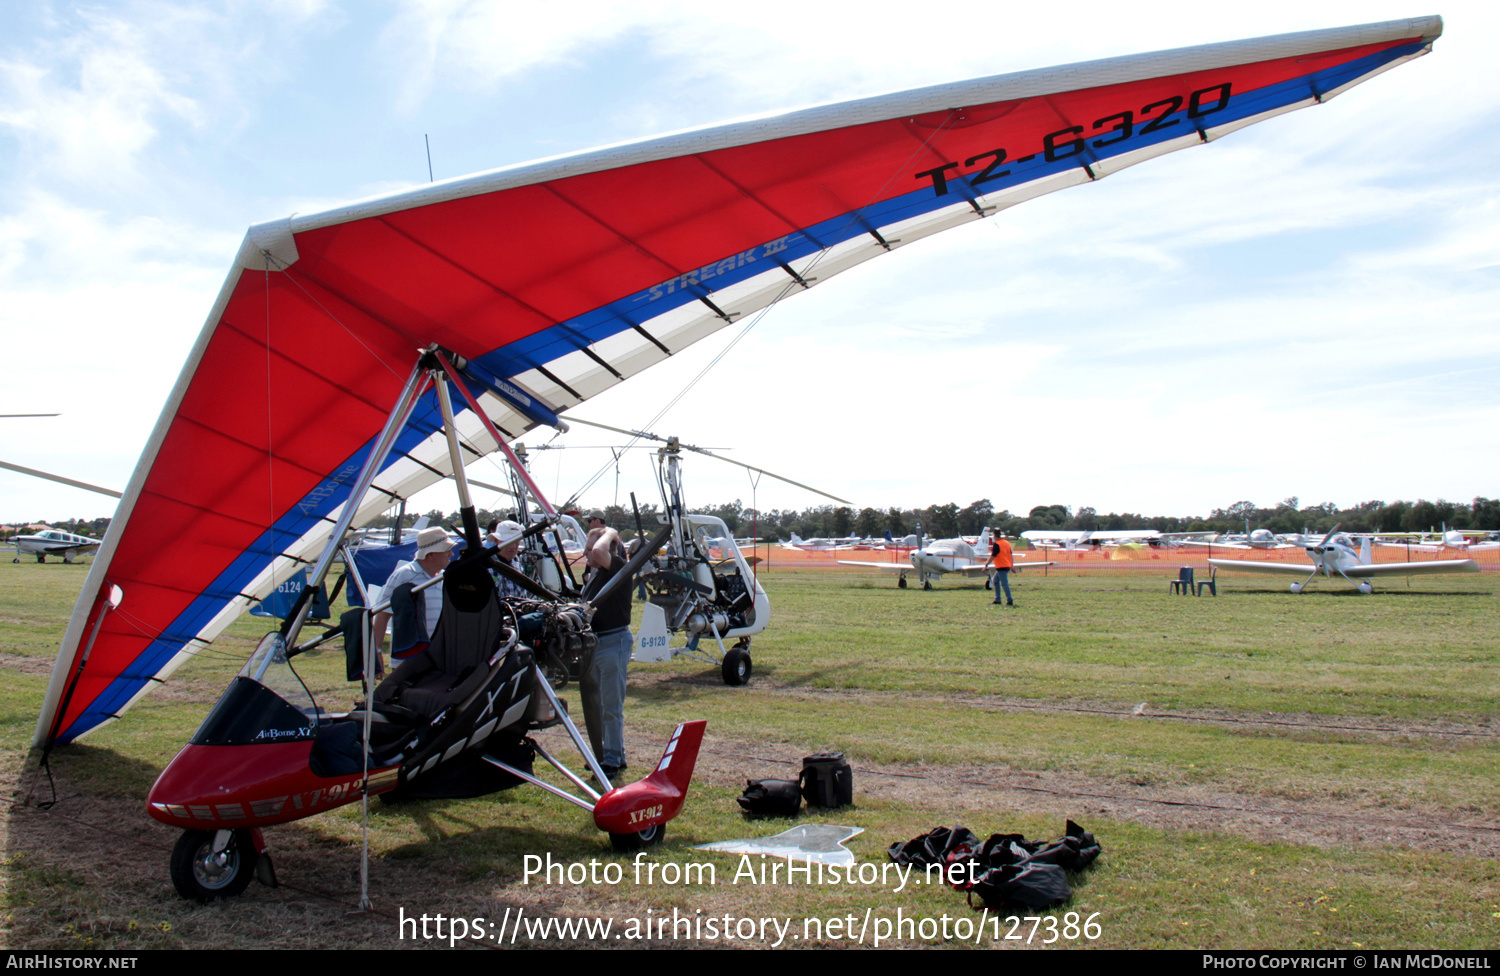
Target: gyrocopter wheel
736 669
202 875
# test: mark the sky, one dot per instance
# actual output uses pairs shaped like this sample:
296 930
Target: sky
1305 308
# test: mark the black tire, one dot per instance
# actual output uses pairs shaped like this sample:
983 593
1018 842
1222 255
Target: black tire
650 837
200 875
901 583
736 668
927 584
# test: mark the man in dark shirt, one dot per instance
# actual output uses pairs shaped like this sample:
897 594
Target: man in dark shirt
603 684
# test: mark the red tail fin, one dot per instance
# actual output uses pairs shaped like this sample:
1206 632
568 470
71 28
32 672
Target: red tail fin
659 797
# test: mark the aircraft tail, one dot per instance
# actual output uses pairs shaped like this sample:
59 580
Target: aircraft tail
1365 558
888 540
984 540
659 797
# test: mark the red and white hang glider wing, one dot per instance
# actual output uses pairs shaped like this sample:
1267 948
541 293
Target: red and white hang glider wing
567 276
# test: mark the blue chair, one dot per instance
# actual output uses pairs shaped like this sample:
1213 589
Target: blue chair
1183 584
1212 583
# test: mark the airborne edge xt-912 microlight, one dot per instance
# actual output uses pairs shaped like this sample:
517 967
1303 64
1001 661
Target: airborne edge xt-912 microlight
553 281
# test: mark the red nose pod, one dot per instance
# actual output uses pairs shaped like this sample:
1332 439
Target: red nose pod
659 797
241 786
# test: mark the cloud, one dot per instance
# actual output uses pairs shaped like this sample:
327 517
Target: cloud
473 44
100 312
86 106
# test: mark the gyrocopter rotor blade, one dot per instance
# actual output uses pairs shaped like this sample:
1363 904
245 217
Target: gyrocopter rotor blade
484 484
705 451
599 447
47 475
59 478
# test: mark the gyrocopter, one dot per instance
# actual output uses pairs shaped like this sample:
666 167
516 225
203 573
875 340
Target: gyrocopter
321 392
689 591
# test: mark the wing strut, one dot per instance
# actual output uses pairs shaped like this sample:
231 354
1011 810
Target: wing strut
489 425
416 384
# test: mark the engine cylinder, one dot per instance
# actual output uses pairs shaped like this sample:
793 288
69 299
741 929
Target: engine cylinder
698 623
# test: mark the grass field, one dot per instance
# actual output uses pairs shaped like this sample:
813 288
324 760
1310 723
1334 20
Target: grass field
1262 769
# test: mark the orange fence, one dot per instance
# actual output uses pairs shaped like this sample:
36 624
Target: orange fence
1122 559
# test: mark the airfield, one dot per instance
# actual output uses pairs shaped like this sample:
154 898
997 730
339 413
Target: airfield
1263 770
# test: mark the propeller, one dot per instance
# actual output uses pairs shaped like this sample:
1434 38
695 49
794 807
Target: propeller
1329 535
705 451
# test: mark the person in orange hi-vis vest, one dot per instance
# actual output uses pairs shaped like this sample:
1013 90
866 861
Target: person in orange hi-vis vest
1000 558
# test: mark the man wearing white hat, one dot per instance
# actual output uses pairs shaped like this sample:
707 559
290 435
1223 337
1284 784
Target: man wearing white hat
509 532
434 550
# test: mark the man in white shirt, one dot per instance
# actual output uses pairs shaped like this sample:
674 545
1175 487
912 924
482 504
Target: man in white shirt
434 550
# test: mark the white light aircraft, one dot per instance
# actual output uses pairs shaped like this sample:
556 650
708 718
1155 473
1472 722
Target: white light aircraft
1465 540
1255 539
54 542
821 544
943 557
1336 555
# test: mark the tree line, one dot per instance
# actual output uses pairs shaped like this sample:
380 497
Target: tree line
949 520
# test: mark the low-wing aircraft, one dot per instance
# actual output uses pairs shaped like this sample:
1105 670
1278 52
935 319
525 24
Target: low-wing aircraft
821 544
943 557
1464 540
1252 539
54 542
1336 555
